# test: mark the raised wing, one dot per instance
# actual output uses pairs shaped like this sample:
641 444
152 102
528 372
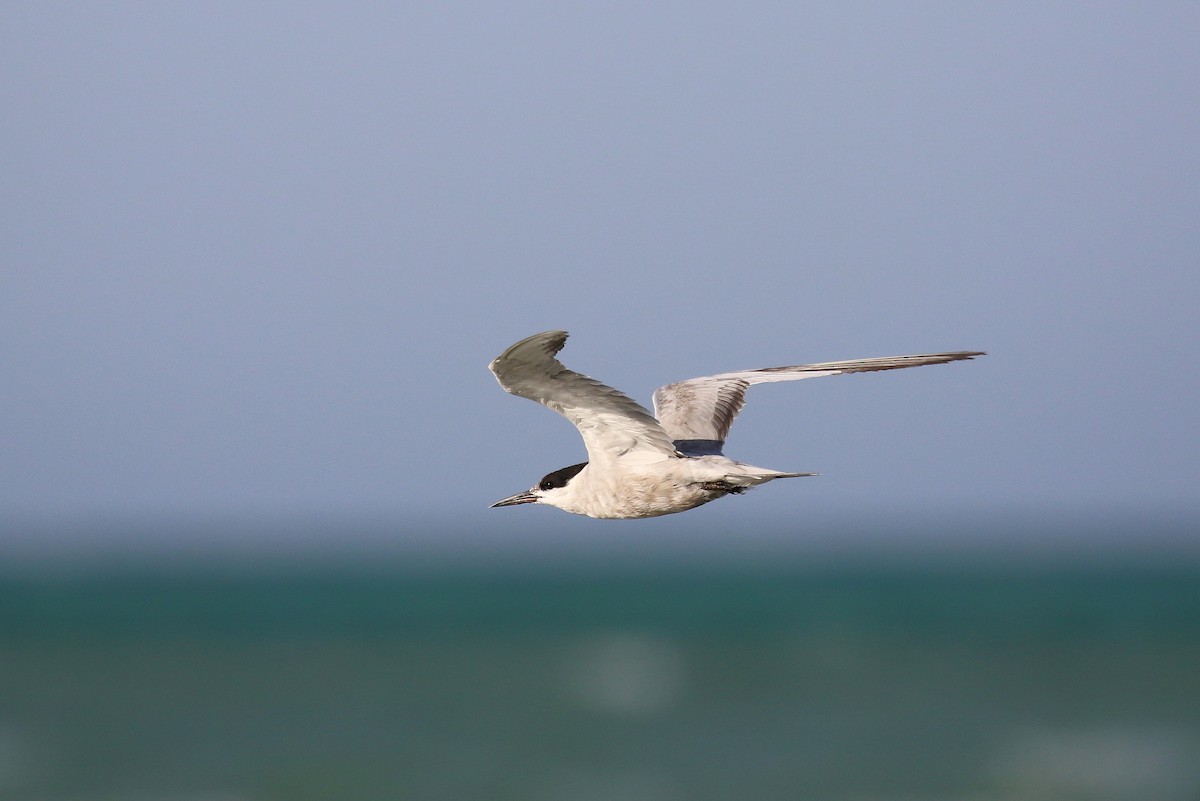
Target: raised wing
697 413
612 425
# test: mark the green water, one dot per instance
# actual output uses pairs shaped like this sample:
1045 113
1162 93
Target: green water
977 681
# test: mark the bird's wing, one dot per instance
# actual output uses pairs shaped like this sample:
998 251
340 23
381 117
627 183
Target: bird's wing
612 425
697 413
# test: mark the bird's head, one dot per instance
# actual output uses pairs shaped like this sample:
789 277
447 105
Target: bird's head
551 490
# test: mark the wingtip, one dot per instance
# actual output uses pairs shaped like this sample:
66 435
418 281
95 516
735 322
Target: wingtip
551 343
953 356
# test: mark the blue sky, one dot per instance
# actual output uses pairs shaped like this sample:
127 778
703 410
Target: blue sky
255 258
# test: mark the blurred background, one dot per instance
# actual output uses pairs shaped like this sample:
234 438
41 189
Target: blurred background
254 262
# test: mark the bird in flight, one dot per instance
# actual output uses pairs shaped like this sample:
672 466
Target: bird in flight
642 464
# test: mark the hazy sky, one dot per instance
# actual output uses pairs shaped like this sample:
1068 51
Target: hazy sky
255 257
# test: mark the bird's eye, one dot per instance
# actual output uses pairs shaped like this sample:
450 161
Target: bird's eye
545 485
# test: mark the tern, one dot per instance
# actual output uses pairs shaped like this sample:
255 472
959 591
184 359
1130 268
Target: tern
646 465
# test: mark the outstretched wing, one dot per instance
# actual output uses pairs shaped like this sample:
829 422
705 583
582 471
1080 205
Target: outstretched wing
697 413
612 424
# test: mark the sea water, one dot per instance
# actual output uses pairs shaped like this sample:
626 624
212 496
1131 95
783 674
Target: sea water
632 680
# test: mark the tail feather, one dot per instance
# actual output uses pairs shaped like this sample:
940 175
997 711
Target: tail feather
761 476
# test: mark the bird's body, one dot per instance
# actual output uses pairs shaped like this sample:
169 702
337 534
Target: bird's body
660 487
642 464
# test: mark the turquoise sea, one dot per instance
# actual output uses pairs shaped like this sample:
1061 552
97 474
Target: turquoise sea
973 678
